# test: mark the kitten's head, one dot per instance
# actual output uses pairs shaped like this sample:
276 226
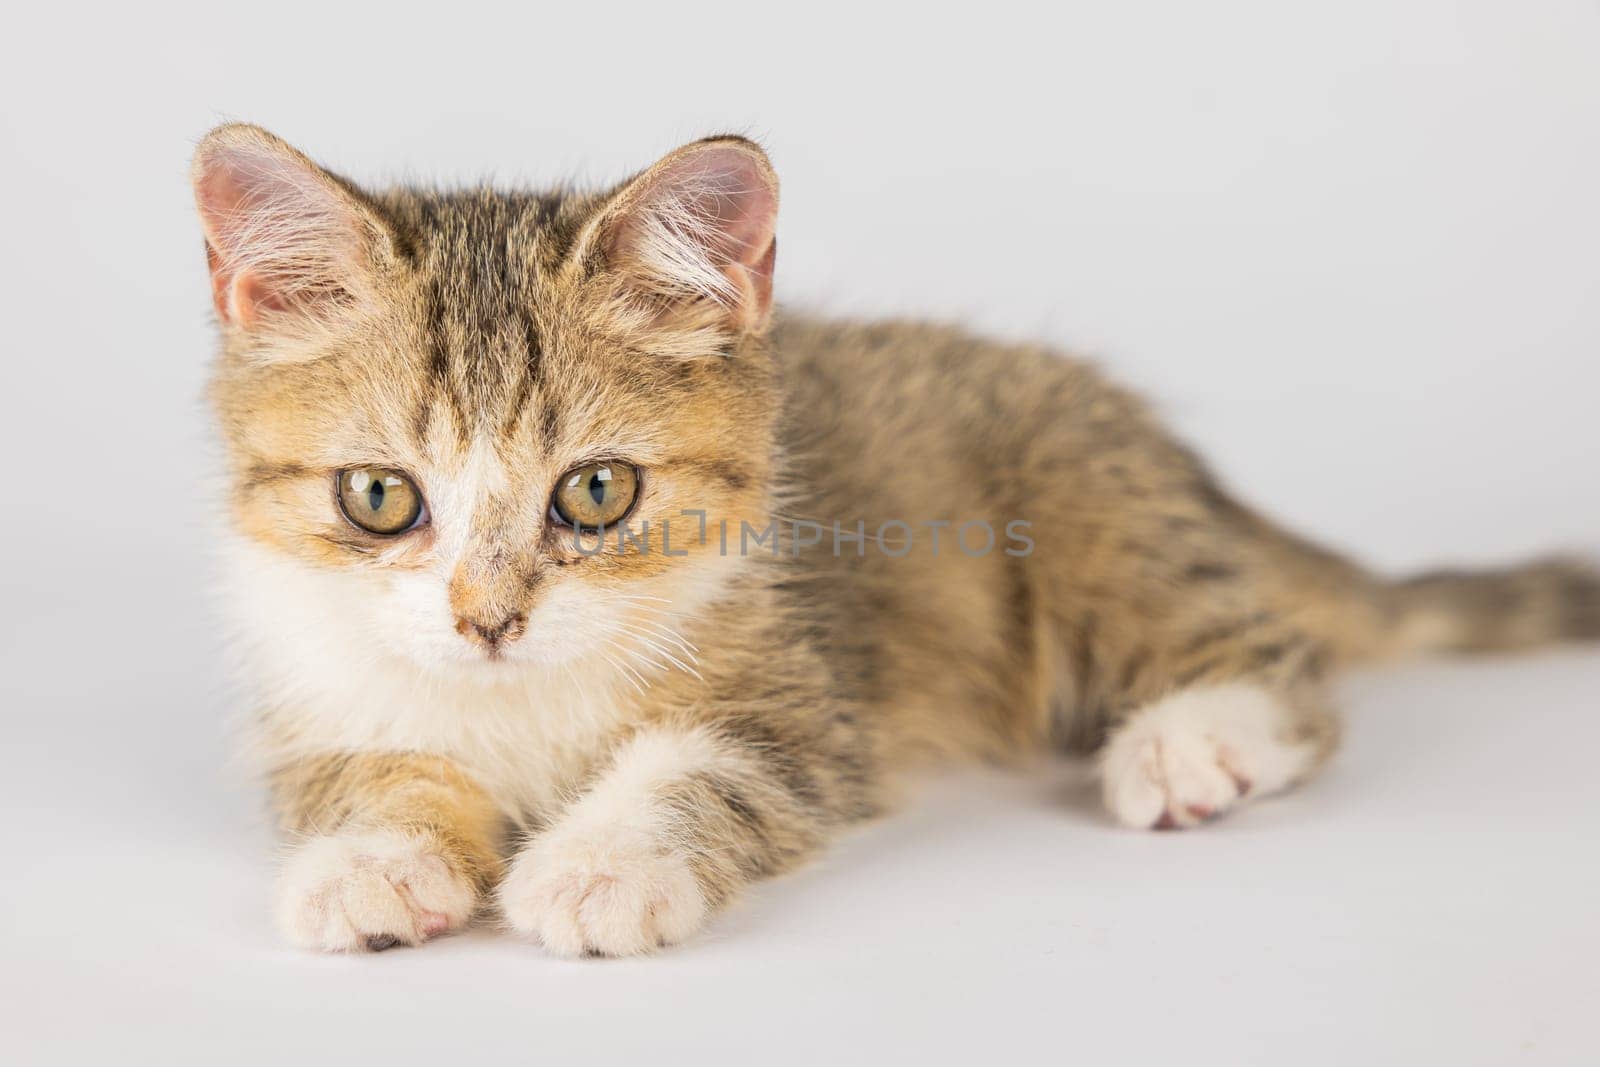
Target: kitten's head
427 397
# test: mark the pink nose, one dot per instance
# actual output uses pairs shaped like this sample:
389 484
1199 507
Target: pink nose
491 636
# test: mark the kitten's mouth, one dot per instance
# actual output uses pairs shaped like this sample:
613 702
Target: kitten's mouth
485 669
496 659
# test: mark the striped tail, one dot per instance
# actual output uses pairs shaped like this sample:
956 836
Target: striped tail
1542 603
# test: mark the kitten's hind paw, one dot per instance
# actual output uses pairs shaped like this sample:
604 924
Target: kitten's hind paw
370 891
1197 753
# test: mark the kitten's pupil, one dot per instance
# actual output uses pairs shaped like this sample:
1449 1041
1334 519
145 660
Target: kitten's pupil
375 495
597 488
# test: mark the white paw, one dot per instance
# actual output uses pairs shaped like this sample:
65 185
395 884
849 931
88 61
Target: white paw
612 892
370 891
1195 754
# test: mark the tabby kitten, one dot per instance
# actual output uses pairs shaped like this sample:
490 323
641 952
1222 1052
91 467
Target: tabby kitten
573 581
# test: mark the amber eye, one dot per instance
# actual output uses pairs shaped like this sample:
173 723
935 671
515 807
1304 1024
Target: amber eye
378 500
595 495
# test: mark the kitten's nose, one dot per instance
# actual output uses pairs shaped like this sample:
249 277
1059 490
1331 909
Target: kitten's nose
491 636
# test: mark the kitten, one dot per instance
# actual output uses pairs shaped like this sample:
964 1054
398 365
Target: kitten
573 581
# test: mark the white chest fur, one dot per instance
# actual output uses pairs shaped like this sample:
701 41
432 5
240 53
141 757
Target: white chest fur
327 681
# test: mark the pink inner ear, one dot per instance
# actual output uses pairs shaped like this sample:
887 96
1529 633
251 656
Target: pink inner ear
222 202
740 204
759 276
238 294
704 225
277 237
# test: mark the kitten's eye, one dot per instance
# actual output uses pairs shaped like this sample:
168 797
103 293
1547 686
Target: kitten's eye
596 494
378 500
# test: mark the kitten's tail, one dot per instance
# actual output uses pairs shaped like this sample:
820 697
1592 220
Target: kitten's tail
1545 602
1511 609
1364 617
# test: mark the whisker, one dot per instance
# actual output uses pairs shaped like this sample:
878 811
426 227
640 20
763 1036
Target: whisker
628 673
664 653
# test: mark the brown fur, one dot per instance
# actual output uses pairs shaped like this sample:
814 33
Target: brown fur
426 796
517 323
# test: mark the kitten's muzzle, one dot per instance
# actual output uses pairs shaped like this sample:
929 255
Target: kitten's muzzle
491 591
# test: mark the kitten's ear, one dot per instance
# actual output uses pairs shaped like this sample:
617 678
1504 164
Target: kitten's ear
697 231
288 244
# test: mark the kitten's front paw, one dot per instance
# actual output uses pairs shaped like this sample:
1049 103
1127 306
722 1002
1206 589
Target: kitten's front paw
370 891
612 892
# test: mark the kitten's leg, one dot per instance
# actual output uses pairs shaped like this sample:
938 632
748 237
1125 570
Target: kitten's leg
681 819
390 849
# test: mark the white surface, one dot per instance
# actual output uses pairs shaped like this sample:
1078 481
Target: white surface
1430 900
1351 251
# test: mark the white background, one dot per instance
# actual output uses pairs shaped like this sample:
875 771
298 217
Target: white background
1352 249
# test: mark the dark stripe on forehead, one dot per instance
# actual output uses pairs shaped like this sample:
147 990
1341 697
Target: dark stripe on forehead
481 256
531 376
517 405
549 422
438 347
532 345
444 375
422 421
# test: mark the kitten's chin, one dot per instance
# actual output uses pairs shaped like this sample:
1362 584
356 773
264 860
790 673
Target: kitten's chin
470 673
495 670
471 665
